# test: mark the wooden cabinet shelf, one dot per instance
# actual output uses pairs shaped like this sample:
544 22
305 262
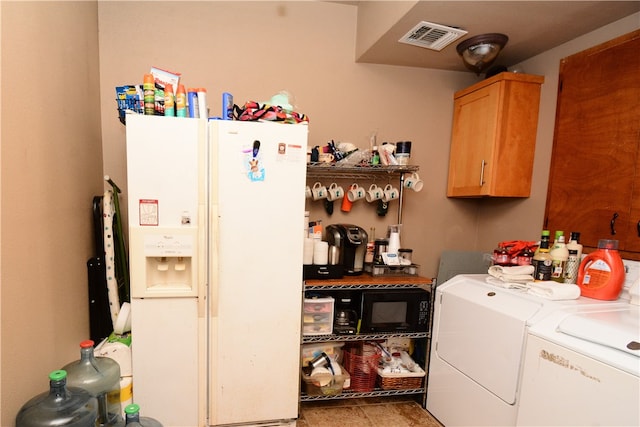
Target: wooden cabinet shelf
493 137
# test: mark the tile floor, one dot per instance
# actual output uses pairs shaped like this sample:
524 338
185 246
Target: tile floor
375 412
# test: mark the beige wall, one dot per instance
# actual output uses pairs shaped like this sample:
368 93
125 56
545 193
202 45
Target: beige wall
254 50
51 158
51 167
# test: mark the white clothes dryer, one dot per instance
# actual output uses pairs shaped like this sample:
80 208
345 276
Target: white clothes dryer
477 351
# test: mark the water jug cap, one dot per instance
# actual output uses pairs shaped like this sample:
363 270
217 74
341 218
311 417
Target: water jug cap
607 244
132 409
86 344
58 375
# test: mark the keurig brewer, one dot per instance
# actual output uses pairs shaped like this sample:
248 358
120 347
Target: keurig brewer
352 241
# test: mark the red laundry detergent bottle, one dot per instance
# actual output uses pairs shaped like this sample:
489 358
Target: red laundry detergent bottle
601 273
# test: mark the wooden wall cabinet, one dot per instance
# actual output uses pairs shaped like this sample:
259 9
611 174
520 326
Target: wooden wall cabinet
493 138
594 181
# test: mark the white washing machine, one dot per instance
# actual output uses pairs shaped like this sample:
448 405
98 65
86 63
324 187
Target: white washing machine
477 351
582 367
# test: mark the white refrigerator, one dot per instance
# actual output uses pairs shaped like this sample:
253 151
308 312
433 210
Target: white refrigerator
216 213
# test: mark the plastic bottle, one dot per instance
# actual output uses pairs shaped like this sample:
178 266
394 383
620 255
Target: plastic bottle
573 261
227 106
525 257
192 102
100 376
61 406
601 273
542 259
202 103
375 156
149 92
559 256
133 418
501 256
181 101
169 101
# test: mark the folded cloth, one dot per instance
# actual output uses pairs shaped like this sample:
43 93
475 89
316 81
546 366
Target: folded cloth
503 283
553 290
517 274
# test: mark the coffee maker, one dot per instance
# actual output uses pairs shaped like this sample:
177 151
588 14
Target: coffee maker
352 243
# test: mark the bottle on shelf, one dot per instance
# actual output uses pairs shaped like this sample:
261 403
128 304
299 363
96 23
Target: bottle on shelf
559 256
202 103
181 101
573 261
375 156
100 376
542 259
169 101
61 406
149 92
192 101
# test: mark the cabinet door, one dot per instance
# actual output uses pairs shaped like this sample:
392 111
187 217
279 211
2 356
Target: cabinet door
475 127
493 137
594 167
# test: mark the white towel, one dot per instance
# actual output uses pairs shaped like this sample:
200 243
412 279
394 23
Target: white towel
503 283
553 290
515 274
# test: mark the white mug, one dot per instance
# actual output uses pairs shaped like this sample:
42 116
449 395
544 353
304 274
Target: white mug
325 157
390 193
319 191
334 192
355 192
307 192
374 193
413 182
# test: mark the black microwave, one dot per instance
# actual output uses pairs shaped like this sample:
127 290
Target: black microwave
395 310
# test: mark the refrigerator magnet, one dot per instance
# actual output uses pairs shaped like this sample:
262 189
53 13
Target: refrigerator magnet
253 162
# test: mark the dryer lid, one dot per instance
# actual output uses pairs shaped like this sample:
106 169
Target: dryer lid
481 333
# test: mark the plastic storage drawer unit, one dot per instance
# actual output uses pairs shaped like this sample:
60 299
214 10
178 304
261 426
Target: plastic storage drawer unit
317 317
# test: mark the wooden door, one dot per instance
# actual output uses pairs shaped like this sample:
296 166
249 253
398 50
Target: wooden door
595 151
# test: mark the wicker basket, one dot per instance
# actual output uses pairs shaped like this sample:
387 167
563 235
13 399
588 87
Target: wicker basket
403 381
325 385
362 364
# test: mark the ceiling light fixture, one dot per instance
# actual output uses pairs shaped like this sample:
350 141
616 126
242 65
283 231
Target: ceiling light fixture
479 52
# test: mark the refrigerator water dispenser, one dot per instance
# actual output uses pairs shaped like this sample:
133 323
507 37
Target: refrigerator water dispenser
165 264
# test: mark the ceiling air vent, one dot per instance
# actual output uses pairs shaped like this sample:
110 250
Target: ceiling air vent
432 36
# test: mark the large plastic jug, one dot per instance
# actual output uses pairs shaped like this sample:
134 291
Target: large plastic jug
61 406
601 273
133 418
100 376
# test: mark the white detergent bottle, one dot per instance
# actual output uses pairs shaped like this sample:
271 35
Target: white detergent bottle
559 256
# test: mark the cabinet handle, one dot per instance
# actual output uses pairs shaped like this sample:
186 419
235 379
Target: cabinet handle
613 223
638 228
482 173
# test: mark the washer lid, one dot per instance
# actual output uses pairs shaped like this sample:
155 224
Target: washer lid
618 329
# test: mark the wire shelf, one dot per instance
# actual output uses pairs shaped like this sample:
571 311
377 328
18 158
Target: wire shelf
346 394
322 170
